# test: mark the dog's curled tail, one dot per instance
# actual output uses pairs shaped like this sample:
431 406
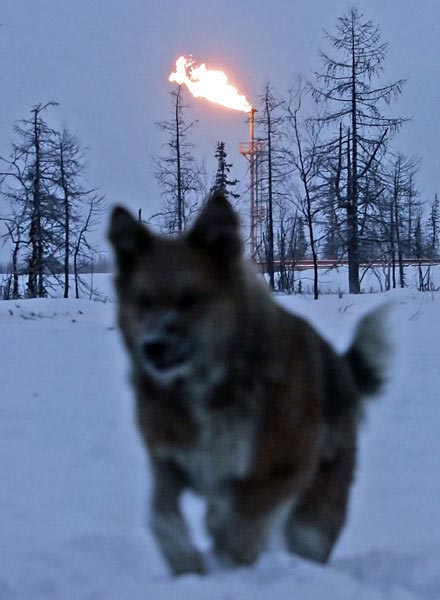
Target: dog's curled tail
369 353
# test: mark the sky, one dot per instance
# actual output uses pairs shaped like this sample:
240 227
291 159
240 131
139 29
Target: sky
107 63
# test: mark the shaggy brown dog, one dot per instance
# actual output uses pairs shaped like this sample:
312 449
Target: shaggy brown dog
237 399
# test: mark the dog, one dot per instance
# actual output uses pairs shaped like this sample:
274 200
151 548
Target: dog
236 399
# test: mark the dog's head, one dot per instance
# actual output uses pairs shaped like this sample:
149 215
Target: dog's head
178 296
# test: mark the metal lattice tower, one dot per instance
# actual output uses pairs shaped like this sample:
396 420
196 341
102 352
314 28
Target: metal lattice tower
250 150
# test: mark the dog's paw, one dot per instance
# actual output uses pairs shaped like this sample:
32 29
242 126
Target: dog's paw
190 563
238 542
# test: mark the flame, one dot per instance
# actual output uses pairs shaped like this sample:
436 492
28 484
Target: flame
209 84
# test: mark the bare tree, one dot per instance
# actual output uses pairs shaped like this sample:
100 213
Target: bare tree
176 170
28 190
14 236
67 163
84 251
270 167
420 251
305 156
291 245
354 95
81 205
51 208
402 207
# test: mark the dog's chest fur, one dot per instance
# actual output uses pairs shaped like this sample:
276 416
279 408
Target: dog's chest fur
223 448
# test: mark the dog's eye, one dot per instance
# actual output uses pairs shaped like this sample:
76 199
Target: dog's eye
188 300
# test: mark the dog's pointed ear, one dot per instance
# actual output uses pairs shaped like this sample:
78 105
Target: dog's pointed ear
128 236
216 230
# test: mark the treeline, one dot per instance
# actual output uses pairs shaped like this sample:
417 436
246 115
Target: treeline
99 263
330 179
49 210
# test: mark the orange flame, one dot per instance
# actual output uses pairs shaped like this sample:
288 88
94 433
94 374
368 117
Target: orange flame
205 83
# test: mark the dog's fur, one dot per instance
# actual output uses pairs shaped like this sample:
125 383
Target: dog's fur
237 399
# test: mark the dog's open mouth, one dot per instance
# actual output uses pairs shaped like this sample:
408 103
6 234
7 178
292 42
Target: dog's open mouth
164 355
170 363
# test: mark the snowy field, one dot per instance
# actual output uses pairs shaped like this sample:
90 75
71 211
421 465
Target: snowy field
75 480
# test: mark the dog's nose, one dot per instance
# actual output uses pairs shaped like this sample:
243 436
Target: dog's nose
157 351
164 352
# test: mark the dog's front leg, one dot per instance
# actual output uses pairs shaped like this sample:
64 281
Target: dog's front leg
241 521
168 523
238 539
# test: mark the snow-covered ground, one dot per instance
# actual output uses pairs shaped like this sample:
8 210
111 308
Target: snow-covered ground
74 478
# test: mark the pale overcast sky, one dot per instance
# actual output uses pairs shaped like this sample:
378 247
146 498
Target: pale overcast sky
106 62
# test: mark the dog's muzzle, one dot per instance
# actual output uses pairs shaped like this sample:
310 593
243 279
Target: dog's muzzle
164 354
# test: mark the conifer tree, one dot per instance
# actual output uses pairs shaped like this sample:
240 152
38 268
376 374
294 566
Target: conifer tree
222 181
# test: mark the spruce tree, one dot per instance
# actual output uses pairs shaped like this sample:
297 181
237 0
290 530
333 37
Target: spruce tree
222 182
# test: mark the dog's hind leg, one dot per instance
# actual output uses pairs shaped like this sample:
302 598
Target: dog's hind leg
313 525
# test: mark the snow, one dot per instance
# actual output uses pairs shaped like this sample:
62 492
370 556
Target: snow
75 480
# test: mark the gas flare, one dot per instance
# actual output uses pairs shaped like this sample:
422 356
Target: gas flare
209 84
